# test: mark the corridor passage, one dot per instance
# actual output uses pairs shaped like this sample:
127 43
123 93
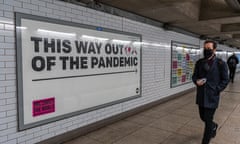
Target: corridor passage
173 122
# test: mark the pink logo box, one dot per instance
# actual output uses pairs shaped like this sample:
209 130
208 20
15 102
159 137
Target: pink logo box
43 106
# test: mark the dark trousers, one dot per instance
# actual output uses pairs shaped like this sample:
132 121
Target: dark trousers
206 115
232 71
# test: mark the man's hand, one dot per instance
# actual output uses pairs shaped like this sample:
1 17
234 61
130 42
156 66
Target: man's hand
200 82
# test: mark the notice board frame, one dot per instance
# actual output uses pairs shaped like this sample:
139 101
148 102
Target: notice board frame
20 102
186 45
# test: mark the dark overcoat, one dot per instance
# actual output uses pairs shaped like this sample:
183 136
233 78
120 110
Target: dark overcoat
217 80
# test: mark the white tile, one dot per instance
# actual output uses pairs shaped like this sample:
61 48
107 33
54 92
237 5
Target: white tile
3 139
11 101
39 3
47 136
7 71
30 6
7 83
13 3
8 131
9 39
7 95
10 89
5 33
37 13
9 52
6 108
26 1
46 10
3 127
12 124
22 10
2 89
52 6
5 7
40 133
10 76
58 12
14 141
7 58
2 26
16 135
34 140
1 39
25 138
2 64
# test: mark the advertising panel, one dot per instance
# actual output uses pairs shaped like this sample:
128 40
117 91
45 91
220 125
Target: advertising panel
65 68
184 57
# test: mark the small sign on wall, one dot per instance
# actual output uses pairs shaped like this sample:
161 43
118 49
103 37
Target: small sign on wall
65 69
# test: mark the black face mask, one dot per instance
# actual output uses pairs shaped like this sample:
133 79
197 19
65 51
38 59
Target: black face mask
207 53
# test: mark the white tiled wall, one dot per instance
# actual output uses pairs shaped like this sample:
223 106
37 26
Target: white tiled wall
155 66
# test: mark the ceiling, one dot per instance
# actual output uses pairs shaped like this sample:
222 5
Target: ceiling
215 19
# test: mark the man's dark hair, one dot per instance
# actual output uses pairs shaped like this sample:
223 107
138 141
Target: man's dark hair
211 41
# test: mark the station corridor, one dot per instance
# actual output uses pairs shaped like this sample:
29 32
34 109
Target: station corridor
173 122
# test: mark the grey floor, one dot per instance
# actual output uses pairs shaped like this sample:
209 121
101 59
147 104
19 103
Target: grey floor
173 122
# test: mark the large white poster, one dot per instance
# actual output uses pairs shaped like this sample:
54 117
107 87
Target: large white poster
65 68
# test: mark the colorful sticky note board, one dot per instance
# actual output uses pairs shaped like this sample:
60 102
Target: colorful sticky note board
184 57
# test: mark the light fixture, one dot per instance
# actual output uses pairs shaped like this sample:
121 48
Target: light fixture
93 37
120 41
5 21
21 27
56 32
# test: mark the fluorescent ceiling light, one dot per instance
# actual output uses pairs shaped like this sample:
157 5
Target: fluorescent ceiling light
93 37
120 41
137 43
5 21
179 48
20 27
56 32
146 43
156 44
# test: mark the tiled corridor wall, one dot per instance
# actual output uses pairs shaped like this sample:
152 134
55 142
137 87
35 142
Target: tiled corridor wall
155 66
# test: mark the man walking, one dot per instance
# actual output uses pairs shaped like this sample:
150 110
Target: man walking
211 77
232 64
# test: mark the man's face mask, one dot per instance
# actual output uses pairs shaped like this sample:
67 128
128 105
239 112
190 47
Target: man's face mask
207 53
